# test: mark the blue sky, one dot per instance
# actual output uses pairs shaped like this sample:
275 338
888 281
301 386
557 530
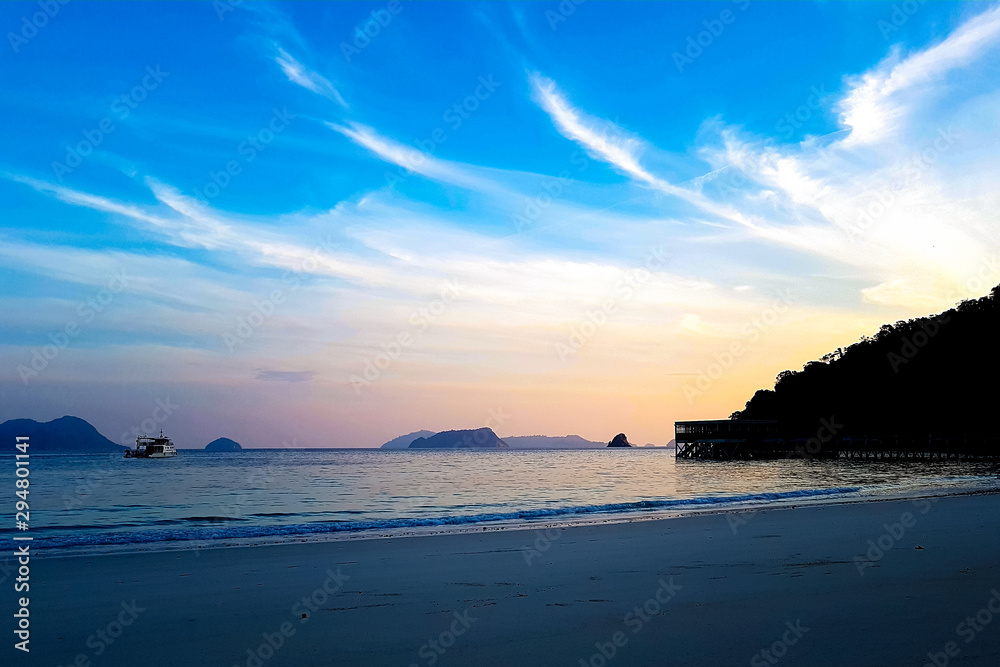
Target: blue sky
568 213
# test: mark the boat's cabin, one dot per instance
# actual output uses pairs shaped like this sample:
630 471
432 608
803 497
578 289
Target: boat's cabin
153 445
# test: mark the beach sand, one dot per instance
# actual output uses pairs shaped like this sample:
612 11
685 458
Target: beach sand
786 581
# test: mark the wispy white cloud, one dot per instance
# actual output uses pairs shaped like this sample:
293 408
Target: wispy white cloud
310 80
407 253
811 198
284 376
790 218
878 99
175 281
413 160
903 213
195 225
605 141
602 139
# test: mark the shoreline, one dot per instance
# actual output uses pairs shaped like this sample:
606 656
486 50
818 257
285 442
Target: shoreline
711 588
563 521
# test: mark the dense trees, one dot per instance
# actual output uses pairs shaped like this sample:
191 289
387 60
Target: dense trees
933 374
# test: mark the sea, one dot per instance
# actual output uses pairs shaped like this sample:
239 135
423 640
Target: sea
81 503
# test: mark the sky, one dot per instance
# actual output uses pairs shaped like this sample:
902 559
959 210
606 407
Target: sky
329 224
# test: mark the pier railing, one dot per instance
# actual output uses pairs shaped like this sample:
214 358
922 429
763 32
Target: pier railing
867 447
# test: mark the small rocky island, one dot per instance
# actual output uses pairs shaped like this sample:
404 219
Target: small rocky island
619 441
223 445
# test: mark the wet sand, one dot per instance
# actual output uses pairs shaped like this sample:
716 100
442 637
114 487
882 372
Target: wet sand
837 584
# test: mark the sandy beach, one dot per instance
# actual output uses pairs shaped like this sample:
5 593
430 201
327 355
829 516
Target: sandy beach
874 583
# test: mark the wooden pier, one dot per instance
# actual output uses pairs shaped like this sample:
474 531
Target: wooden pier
735 440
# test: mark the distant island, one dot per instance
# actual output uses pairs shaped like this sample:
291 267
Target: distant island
513 442
479 438
66 434
403 441
551 442
73 434
223 445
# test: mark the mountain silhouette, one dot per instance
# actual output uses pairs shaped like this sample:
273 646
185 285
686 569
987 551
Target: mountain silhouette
66 434
403 441
479 438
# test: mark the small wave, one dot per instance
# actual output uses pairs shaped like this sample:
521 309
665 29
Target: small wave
334 526
931 483
191 519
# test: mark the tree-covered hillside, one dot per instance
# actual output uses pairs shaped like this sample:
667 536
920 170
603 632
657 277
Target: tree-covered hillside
930 375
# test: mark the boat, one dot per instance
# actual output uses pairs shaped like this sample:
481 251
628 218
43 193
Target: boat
147 447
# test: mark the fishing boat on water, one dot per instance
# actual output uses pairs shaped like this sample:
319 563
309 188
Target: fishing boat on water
147 447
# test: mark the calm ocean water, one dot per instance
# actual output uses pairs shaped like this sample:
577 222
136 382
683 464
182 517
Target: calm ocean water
90 500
